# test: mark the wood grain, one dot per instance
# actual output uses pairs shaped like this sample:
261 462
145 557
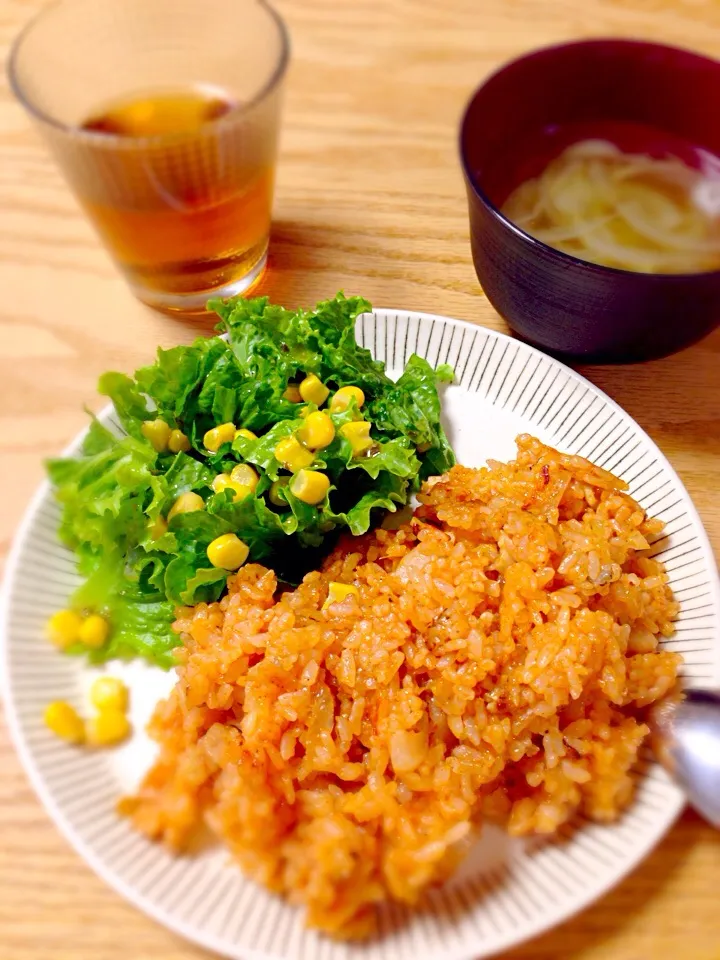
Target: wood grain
369 199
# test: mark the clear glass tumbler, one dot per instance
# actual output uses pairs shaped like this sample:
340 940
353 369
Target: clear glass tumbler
164 117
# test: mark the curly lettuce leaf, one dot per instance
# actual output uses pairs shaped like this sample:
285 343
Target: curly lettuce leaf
140 615
116 495
411 408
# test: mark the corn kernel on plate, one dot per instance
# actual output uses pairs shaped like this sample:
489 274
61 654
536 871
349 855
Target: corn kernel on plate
78 720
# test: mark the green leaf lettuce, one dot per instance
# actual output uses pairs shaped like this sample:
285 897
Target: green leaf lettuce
138 565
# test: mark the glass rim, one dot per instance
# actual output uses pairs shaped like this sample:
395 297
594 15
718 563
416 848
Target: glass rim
99 137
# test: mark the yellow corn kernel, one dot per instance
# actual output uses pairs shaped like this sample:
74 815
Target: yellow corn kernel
242 490
318 431
292 393
63 628
342 397
313 390
292 455
228 552
247 434
223 481
109 727
337 592
178 442
158 433
357 434
273 494
64 721
109 693
220 482
186 503
94 631
157 528
310 486
243 473
216 437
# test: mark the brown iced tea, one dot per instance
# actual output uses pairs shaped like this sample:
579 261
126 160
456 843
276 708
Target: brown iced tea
181 200
164 118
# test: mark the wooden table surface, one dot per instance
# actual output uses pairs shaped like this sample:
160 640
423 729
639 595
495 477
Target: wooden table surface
369 199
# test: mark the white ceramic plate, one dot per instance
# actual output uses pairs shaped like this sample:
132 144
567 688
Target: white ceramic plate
508 890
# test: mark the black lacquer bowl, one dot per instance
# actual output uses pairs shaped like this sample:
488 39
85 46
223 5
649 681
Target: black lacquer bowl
551 299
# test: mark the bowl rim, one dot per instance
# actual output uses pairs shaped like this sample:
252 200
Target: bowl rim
569 259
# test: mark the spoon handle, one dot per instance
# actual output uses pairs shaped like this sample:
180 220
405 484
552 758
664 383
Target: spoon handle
687 743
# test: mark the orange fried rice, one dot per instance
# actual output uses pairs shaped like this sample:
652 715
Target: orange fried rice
493 663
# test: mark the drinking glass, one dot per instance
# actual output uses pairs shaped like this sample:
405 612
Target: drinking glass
185 213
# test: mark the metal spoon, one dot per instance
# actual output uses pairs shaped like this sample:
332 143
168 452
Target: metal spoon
686 740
